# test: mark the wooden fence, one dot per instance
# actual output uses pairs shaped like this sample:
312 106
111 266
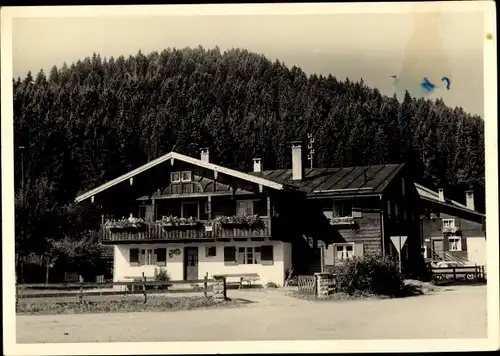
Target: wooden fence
307 284
133 287
468 273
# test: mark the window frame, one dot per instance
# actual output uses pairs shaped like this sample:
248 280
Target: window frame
208 250
344 245
457 241
172 180
188 180
451 221
249 203
249 253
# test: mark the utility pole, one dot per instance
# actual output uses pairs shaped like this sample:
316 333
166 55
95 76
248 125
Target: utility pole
310 147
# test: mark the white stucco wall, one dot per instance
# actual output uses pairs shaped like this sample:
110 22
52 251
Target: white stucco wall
211 265
476 250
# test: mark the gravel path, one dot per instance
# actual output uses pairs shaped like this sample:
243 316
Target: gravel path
452 312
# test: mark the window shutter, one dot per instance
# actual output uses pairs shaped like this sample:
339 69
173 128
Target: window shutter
358 250
134 256
161 256
267 255
229 255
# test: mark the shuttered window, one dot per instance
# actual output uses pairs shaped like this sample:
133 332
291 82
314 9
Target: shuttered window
161 256
267 255
229 255
134 256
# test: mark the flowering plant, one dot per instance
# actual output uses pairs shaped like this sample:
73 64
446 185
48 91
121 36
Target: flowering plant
449 229
343 220
124 223
252 221
176 221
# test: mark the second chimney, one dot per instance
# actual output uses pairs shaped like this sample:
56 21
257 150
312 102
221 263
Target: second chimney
469 199
205 155
257 165
441 194
297 169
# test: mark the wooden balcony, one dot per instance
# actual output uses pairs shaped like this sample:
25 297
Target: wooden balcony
156 232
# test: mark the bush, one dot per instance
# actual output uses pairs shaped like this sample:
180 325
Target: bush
370 274
161 274
271 285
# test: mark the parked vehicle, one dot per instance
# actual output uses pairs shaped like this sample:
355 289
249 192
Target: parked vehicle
453 270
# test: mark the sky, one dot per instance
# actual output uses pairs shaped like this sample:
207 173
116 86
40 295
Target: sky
392 52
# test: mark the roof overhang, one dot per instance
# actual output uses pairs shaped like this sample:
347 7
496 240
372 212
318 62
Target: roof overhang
172 156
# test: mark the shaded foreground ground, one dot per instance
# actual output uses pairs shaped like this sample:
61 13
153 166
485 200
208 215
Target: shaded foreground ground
449 312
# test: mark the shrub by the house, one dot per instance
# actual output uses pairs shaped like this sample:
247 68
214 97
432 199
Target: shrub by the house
371 274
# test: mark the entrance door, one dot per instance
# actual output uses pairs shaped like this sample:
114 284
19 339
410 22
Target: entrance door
190 263
438 248
190 210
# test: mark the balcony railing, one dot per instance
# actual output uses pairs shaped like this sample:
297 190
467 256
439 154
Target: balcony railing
154 231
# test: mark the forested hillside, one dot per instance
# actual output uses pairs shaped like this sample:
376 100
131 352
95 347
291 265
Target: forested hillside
95 119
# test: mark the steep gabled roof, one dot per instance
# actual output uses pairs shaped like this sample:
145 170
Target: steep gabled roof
433 196
337 181
197 162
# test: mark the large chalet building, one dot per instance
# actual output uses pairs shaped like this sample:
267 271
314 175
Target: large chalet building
194 217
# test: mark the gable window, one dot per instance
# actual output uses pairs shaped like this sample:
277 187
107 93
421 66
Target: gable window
455 243
186 176
175 177
343 251
244 207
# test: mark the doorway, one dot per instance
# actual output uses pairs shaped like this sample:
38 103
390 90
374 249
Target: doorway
190 263
190 210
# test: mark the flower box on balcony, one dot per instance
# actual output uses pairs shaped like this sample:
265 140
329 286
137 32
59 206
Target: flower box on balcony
125 225
344 220
449 229
176 223
252 222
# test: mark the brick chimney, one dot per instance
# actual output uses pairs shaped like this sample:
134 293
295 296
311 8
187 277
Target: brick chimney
441 194
297 168
205 155
257 165
469 199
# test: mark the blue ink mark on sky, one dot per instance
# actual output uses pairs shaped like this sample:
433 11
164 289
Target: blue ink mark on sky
445 79
427 85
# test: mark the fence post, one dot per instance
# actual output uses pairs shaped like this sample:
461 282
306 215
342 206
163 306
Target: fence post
80 294
205 285
144 288
454 274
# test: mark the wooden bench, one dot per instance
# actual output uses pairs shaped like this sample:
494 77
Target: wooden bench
138 279
249 278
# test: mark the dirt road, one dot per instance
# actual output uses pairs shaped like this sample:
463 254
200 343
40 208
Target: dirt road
454 312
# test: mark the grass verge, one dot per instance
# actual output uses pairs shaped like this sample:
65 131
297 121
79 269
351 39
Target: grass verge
410 288
123 305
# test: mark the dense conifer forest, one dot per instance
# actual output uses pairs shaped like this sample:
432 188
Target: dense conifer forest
85 123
